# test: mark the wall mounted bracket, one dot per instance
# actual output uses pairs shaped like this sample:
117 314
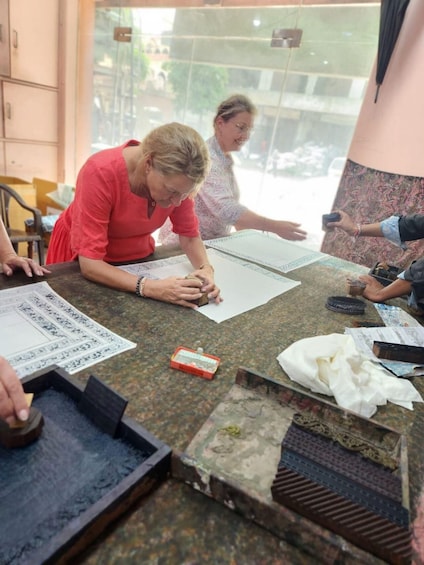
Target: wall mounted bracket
122 34
286 38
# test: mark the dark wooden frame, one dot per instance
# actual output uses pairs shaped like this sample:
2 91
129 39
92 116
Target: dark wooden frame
81 531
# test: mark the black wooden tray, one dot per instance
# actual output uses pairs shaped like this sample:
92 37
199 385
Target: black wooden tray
89 465
385 276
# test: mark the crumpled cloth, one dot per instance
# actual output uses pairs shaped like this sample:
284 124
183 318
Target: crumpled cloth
332 365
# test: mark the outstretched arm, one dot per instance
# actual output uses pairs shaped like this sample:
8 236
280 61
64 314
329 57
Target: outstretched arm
376 292
348 225
284 229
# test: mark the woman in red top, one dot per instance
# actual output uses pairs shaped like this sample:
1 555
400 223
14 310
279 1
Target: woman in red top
122 196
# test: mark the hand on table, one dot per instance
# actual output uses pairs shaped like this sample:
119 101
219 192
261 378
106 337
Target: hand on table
11 263
183 291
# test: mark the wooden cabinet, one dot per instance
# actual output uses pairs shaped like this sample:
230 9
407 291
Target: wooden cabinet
29 33
1 121
28 160
33 40
29 112
2 165
4 38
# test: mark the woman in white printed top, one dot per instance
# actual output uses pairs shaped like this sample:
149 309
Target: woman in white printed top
217 203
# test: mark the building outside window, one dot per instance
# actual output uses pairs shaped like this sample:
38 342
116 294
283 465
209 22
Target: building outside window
178 64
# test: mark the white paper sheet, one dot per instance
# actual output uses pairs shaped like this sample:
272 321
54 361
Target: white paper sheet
395 316
39 328
266 249
243 285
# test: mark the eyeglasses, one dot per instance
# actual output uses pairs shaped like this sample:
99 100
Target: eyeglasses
244 128
179 195
175 194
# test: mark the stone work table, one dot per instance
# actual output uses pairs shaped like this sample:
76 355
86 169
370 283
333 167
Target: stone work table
176 524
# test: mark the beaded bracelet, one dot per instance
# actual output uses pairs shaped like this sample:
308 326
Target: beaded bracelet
139 287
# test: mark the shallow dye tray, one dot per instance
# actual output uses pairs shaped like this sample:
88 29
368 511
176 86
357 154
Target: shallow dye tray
60 492
390 275
235 455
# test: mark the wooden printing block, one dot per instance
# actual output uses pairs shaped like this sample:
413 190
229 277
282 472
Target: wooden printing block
327 218
355 287
24 433
344 492
204 298
399 352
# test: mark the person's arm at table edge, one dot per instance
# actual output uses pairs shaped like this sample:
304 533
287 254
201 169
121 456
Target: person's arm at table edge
376 292
9 258
99 271
356 229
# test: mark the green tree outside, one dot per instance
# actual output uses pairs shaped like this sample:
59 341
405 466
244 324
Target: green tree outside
211 86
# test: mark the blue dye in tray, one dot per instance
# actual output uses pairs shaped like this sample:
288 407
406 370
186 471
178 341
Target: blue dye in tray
52 481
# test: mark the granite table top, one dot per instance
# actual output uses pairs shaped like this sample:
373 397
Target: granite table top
176 524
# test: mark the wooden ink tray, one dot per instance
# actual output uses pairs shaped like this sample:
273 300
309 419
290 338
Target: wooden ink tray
235 456
60 492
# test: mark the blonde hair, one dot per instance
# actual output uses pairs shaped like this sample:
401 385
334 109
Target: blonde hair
234 105
177 149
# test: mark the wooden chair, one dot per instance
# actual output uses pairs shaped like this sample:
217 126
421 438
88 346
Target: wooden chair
8 195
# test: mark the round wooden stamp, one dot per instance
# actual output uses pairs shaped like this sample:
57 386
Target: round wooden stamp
24 432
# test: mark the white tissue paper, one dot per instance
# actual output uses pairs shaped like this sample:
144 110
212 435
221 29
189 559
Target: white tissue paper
332 365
